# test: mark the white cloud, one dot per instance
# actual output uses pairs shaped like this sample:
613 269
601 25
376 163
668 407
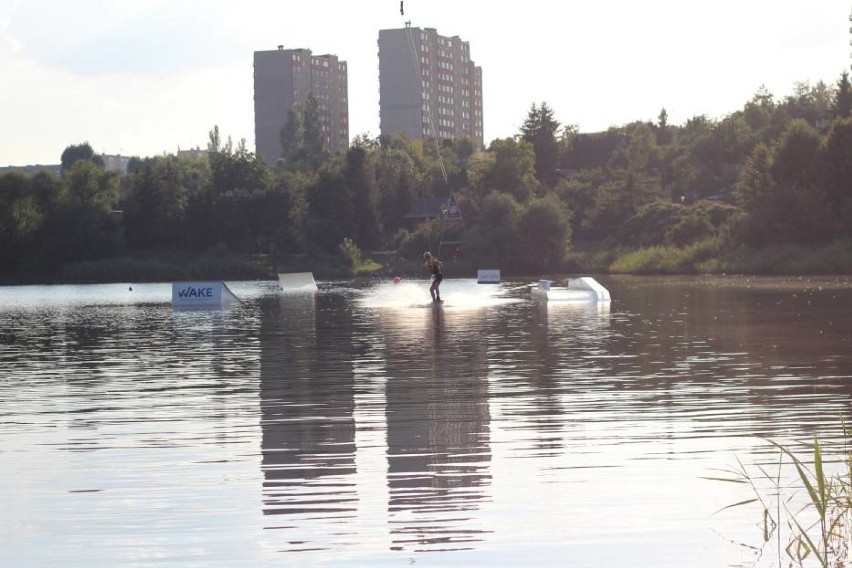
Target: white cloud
143 77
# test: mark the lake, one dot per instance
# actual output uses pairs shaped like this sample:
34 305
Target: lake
358 426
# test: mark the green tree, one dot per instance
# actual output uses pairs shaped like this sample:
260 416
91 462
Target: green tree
580 192
508 167
699 221
755 195
230 209
303 138
331 213
540 129
544 232
314 134
77 152
361 178
91 186
288 217
398 181
649 225
794 162
837 172
714 156
493 239
19 218
812 104
759 110
86 225
135 165
640 154
664 134
292 137
804 216
843 97
156 208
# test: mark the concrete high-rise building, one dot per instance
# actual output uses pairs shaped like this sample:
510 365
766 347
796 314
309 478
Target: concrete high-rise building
428 84
283 78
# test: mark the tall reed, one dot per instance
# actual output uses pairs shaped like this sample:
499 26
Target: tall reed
819 527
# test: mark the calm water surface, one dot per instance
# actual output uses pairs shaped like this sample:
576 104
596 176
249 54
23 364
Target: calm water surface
353 427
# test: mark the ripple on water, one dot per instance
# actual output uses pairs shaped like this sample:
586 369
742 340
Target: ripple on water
344 427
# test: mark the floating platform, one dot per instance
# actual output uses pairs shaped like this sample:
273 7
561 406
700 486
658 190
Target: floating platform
297 281
585 289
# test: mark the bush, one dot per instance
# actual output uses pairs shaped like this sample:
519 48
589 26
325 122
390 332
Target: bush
651 260
648 227
425 237
354 259
351 254
834 258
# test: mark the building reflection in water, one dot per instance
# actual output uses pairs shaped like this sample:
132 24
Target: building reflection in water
564 338
308 431
410 387
437 426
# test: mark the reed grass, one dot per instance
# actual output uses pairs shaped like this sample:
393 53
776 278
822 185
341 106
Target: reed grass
821 528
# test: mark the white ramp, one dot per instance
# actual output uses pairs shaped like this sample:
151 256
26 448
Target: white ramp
297 281
597 292
585 289
214 294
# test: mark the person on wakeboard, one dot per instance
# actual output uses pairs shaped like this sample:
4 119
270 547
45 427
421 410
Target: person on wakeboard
434 266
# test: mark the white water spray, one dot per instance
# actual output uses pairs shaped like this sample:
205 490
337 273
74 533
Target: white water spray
455 293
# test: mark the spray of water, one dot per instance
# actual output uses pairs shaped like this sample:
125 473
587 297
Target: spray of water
455 293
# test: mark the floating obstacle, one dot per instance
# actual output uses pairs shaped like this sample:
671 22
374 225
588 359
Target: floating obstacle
297 282
202 295
585 289
488 276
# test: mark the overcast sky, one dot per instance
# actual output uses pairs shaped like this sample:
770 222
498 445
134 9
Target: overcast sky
143 77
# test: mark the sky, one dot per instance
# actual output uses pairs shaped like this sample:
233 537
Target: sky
144 77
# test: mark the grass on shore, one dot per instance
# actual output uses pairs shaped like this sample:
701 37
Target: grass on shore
704 257
710 257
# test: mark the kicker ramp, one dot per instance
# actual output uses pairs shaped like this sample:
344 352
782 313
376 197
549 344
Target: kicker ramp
297 281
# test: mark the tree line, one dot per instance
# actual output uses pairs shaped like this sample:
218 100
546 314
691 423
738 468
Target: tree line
772 172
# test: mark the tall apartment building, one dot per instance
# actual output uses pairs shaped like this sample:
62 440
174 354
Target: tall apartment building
428 83
283 78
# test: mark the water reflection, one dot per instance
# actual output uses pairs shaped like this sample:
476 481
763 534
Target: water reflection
742 347
437 426
516 433
115 425
306 390
409 385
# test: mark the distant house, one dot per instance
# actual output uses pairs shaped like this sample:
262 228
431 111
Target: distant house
54 169
425 208
115 162
196 152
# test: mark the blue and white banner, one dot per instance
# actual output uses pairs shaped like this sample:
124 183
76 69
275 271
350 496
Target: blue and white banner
201 294
488 276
